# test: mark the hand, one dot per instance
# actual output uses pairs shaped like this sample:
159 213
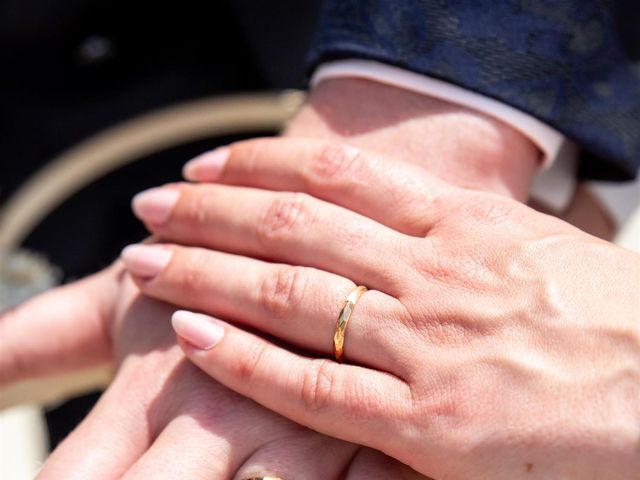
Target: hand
161 417
79 319
494 342
454 143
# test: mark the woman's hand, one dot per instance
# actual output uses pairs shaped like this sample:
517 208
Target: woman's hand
161 417
494 342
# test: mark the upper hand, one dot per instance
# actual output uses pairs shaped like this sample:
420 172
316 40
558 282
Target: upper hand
495 341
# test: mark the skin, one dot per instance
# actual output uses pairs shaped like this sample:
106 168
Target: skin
159 405
162 417
458 145
494 342
463 147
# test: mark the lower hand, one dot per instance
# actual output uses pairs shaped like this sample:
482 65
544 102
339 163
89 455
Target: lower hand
161 417
80 319
494 342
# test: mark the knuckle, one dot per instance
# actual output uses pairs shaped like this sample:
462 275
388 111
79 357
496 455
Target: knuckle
283 290
319 384
334 162
248 362
418 205
197 205
250 152
490 211
286 214
454 266
420 256
495 214
187 274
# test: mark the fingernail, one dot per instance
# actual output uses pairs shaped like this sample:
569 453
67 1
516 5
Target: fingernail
199 330
208 166
155 205
145 260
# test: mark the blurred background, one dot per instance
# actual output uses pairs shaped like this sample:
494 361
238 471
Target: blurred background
91 73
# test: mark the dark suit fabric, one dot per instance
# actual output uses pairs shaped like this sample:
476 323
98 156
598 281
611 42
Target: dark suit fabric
573 64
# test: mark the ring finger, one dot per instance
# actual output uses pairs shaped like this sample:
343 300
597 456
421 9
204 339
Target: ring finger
299 305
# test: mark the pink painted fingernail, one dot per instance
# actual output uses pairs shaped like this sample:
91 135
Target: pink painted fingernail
199 330
208 166
145 261
155 205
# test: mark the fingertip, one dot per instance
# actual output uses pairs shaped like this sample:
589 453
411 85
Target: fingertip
207 167
146 261
154 206
200 331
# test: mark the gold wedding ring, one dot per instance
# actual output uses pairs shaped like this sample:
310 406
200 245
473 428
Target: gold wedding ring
343 319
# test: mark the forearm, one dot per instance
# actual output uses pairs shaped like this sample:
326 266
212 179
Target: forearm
457 144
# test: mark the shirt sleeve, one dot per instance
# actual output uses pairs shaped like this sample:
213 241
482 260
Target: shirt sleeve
546 138
554 184
572 65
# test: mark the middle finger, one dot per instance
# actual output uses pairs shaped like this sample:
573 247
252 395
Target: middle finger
293 228
296 304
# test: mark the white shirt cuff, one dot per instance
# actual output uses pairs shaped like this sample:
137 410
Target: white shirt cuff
621 200
547 139
555 183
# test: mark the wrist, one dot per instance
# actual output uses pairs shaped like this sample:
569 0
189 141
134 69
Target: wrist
459 145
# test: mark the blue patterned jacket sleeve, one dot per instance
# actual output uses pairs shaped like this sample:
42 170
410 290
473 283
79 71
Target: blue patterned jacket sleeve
574 64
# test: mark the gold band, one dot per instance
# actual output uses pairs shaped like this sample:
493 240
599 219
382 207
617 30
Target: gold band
343 319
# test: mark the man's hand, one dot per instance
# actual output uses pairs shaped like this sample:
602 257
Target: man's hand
464 147
494 341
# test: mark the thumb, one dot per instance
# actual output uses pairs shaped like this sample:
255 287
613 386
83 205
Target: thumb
62 330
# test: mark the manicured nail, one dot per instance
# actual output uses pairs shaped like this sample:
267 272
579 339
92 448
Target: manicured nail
199 330
155 205
208 166
145 261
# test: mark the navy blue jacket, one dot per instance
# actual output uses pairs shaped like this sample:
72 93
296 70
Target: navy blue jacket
574 64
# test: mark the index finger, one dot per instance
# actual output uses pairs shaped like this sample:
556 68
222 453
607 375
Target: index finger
397 194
